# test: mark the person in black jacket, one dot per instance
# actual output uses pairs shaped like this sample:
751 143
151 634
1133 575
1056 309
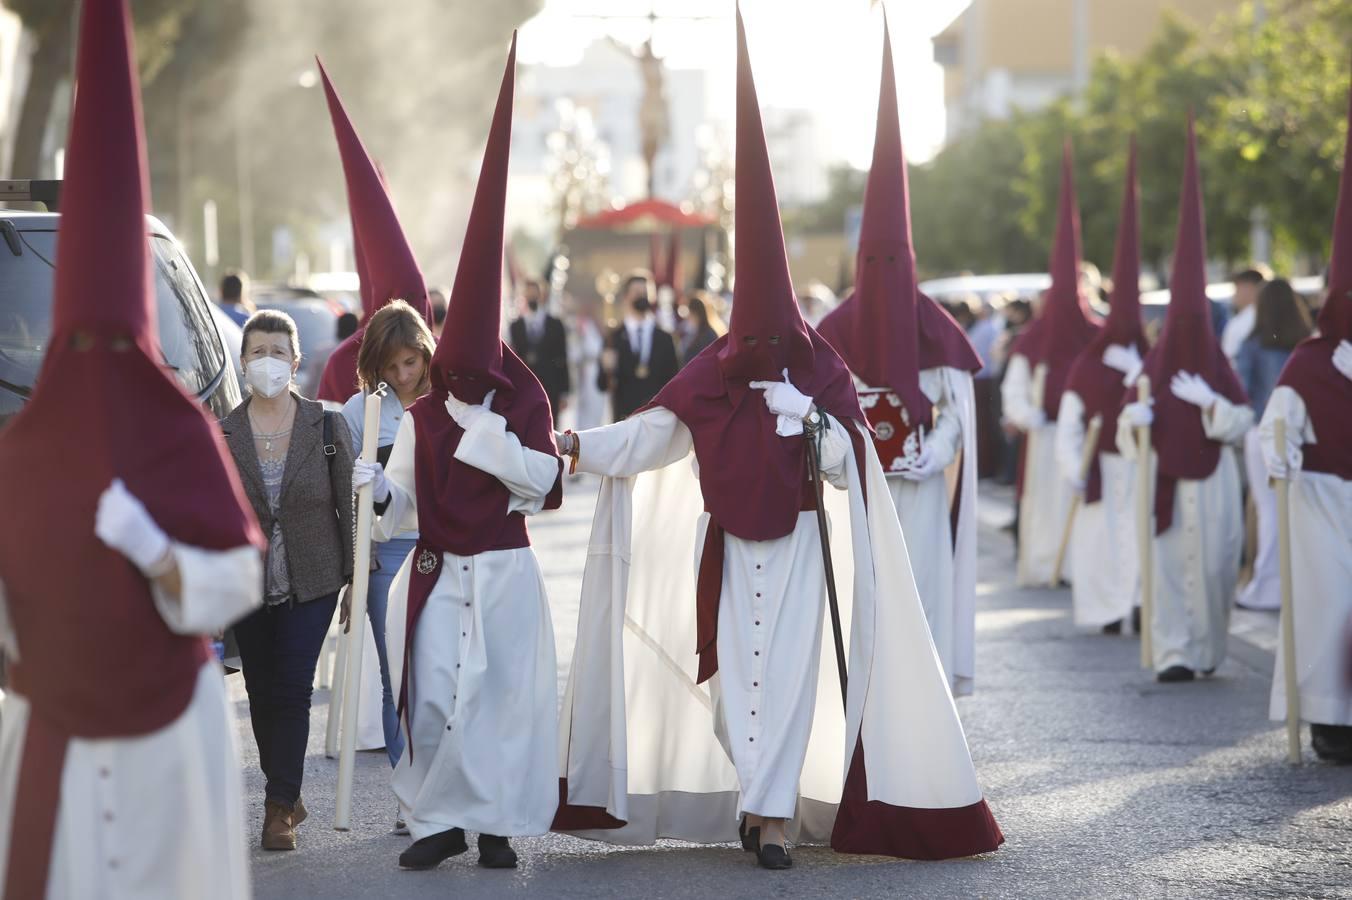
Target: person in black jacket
640 356
542 343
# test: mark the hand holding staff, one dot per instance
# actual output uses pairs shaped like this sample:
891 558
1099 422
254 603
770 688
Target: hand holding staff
1091 439
356 637
1289 670
1144 522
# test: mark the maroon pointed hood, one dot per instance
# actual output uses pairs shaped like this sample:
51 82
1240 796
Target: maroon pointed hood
392 271
1066 324
1098 385
1187 343
471 343
105 407
767 333
1310 371
1335 319
881 342
753 479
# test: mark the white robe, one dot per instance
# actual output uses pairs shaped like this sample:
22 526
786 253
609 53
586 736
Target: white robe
1321 575
483 751
1104 560
159 815
1045 502
945 577
1196 562
1264 590
640 739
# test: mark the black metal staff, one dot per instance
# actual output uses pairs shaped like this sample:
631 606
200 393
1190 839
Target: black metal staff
812 434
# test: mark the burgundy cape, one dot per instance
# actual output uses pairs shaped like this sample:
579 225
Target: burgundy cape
1310 371
1067 324
1187 344
1098 385
105 407
462 510
386 266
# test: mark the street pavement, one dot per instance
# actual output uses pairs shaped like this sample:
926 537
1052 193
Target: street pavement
1105 783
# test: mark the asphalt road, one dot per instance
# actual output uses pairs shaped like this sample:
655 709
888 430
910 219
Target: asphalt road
1105 783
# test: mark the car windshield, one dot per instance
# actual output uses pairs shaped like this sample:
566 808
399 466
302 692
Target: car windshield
185 324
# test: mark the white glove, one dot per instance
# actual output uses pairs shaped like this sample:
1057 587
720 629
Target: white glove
1280 469
1125 358
123 523
1192 389
1077 484
466 414
787 403
1035 419
1139 414
923 467
783 398
372 473
1342 359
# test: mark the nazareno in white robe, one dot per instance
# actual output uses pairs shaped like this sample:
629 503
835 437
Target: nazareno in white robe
1045 501
1321 574
1196 562
1103 557
650 750
944 562
158 815
483 750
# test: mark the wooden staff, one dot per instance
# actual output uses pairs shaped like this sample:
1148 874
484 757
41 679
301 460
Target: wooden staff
335 698
356 635
1091 439
1144 526
1036 394
1283 488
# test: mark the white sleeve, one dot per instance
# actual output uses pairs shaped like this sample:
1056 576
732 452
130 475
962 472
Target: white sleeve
1016 391
1227 422
641 443
401 513
945 437
9 642
1285 403
836 448
220 587
529 474
1070 435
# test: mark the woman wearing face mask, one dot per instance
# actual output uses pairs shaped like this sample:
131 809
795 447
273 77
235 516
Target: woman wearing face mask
295 461
396 351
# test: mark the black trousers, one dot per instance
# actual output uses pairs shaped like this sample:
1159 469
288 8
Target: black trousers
279 649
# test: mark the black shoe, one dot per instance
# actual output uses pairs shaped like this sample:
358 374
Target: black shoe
1113 627
432 851
495 852
1209 672
750 836
773 856
1136 620
1332 743
1175 674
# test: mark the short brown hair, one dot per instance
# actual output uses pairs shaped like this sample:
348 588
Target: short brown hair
271 321
394 327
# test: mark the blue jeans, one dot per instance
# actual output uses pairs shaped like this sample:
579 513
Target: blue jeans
279 649
391 556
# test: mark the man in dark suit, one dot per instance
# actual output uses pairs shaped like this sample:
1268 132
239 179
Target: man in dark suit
542 343
640 357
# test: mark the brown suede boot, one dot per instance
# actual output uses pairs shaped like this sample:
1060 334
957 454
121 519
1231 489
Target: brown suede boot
299 813
279 832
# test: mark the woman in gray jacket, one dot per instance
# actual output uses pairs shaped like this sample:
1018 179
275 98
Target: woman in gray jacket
295 462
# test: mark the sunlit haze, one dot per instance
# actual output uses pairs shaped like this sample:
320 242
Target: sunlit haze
818 55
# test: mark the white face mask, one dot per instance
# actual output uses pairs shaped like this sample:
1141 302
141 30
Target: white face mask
269 376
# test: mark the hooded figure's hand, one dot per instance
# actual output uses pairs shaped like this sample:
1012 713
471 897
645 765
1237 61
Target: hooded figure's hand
466 414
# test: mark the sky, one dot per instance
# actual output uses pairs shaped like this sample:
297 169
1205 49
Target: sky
819 55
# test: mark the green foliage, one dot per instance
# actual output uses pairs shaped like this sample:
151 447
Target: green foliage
1270 101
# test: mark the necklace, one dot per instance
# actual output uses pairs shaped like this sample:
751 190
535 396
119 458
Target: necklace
267 437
